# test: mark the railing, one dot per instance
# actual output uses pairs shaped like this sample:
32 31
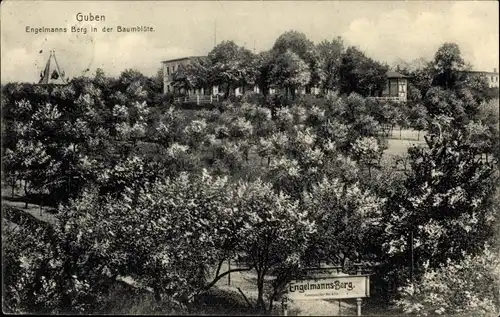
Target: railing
198 99
396 99
208 99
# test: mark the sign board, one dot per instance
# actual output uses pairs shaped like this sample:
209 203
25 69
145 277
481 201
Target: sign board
335 287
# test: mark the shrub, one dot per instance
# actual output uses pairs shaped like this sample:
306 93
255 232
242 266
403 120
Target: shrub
254 98
467 288
308 101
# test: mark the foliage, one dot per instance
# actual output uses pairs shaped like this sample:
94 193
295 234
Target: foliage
403 118
488 116
288 71
330 58
361 74
54 269
346 216
166 195
446 203
275 232
193 75
448 66
297 43
166 127
29 162
417 116
367 152
470 287
263 62
232 65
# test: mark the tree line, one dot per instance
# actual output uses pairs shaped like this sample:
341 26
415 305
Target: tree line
296 62
293 62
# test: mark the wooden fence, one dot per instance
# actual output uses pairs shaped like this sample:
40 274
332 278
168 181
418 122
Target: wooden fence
198 99
395 99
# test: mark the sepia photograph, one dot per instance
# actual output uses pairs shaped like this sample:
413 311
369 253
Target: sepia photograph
250 158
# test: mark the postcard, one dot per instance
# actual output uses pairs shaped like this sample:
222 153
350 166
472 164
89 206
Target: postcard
293 158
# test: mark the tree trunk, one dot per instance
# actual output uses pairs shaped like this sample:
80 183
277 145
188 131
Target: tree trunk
26 194
418 135
260 297
157 294
400 130
69 185
260 292
13 184
66 277
271 301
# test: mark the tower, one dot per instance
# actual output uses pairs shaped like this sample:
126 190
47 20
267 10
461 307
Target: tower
52 74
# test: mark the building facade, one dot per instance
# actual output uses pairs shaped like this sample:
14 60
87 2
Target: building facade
396 88
170 66
491 77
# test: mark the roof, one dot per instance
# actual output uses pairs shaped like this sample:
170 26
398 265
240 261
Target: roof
391 74
52 73
481 72
184 58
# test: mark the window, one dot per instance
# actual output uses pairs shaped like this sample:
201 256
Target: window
402 87
54 75
393 88
385 92
168 70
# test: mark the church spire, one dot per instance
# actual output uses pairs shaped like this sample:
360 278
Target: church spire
52 73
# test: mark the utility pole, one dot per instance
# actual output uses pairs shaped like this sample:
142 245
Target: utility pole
215 33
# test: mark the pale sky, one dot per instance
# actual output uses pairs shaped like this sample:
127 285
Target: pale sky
386 31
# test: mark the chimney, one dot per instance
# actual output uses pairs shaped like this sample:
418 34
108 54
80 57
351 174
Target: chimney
494 70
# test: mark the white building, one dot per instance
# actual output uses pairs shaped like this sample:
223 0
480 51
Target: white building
491 77
170 66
